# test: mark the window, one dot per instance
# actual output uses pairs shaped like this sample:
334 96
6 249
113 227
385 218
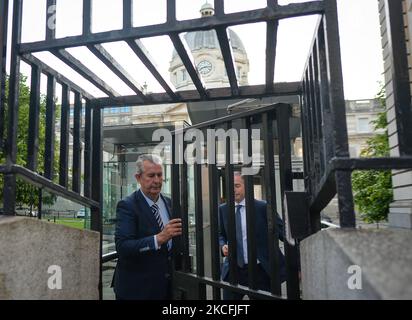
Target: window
183 75
116 110
363 125
354 151
239 70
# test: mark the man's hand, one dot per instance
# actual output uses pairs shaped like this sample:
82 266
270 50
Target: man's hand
225 250
171 230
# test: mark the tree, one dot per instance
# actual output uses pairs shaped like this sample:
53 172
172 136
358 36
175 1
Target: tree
27 194
373 188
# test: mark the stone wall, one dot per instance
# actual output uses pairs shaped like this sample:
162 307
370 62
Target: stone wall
32 254
357 264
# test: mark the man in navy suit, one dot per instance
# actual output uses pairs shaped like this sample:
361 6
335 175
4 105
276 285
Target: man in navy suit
261 240
144 230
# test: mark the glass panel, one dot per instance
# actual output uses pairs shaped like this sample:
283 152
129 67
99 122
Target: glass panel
243 5
122 53
119 182
191 216
294 43
63 69
161 52
107 15
149 12
107 276
69 18
54 209
87 58
185 9
34 21
363 125
249 52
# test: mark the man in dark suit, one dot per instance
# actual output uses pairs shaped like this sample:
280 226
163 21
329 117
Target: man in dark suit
261 234
144 230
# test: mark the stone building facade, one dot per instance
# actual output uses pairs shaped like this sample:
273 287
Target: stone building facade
401 209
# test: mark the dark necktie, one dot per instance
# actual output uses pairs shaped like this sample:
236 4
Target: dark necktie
239 237
156 213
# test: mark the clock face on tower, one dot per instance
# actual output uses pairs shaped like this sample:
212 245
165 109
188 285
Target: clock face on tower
204 67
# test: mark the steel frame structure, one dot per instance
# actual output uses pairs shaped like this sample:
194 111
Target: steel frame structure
327 165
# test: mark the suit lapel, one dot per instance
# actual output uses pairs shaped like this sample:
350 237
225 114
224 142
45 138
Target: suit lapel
169 209
146 210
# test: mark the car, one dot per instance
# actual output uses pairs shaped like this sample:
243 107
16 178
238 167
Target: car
33 213
328 225
81 213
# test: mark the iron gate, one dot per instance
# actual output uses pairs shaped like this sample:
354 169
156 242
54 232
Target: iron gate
326 157
193 285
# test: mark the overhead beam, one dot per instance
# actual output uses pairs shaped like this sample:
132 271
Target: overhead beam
184 56
33 61
258 91
85 72
271 40
227 54
171 26
139 49
101 53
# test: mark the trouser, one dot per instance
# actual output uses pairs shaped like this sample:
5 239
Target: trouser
262 279
166 296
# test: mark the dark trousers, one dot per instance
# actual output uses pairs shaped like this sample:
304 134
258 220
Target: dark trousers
263 282
168 295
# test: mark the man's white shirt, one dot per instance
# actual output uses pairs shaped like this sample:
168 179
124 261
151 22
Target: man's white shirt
163 215
244 229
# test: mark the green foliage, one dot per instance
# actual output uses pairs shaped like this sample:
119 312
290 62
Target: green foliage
27 194
372 188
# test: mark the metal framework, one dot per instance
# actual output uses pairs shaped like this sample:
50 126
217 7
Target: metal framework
327 166
264 118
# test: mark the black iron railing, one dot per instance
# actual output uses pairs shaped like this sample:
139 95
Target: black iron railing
327 166
327 163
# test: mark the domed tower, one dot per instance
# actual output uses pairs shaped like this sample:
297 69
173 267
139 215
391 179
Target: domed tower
208 59
207 10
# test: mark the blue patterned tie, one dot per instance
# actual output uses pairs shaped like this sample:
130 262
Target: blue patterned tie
156 213
239 237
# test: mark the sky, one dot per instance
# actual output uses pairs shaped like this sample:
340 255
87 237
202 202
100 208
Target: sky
358 24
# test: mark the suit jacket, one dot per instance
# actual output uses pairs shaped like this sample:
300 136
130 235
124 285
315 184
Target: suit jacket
261 227
142 272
